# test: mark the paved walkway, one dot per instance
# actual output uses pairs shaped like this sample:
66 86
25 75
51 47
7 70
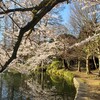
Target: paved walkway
86 92
81 90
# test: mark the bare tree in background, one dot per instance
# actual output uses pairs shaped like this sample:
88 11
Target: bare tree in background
85 24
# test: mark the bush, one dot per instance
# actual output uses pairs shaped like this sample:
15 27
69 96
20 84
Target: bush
56 65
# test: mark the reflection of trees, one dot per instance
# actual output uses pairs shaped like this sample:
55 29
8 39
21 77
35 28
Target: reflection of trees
43 88
9 86
38 86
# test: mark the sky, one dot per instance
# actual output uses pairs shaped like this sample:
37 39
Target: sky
66 13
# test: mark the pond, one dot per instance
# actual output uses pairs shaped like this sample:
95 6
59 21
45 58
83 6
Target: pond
38 86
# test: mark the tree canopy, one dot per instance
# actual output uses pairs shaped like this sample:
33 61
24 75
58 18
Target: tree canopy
38 9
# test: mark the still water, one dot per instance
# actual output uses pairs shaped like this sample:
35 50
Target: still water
38 86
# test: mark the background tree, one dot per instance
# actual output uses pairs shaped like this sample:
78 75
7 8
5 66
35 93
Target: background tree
84 24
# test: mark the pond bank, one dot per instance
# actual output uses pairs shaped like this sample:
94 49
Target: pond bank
56 75
87 86
39 85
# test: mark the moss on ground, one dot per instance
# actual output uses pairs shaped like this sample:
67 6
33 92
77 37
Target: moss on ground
56 69
55 65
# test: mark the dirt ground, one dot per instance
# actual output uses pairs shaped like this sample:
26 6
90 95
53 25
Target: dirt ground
93 82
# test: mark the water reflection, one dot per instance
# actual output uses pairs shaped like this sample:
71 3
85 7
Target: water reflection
38 86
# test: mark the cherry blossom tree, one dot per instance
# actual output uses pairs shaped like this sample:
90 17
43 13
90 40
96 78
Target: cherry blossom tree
23 17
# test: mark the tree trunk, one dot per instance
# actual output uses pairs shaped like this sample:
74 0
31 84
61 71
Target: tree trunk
65 65
94 62
87 65
68 64
78 65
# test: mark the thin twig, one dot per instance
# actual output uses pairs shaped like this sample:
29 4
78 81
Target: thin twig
7 53
17 3
11 18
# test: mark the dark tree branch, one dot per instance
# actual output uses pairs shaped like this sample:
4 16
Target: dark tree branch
11 19
9 15
44 7
17 9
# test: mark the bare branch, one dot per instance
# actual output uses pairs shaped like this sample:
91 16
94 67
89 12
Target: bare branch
89 39
17 9
17 3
